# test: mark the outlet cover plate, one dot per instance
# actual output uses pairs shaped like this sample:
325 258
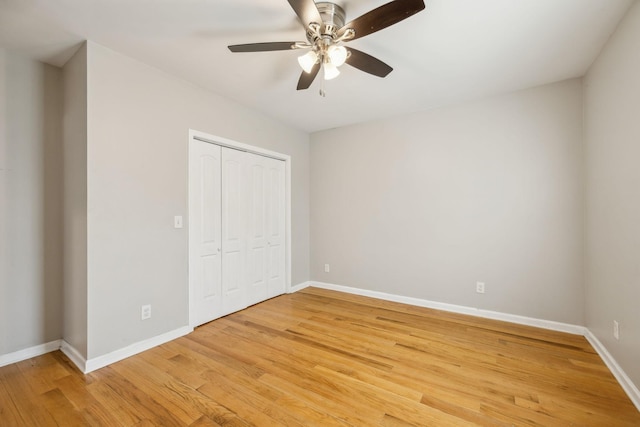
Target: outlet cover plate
145 312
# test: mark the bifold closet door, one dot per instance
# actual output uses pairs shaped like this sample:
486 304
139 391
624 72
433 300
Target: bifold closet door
276 221
205 234
265 228
234 208
237 230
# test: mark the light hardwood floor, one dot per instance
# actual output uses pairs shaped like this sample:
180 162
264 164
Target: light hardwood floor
323 358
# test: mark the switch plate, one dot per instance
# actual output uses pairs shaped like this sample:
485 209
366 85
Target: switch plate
177 221
145 312
326 268
616 330
480 287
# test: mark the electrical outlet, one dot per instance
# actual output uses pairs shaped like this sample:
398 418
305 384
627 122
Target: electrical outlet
616 330
480 287
326 268
145 312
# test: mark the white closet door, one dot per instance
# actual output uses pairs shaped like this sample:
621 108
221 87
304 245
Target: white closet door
205 231
257 252
275 220
236 230
265 228
234 294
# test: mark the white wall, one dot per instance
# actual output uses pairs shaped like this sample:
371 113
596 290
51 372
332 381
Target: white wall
612 134
75 201
30 203
138 122
426 205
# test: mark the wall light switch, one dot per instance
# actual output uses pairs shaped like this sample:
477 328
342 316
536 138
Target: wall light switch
177 221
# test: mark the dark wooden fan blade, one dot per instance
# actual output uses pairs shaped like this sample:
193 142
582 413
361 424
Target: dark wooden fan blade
262 47
367 63
307 11
383 17
307 78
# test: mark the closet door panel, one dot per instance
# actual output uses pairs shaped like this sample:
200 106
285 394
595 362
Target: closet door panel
205 231
256 230
233 230
275 220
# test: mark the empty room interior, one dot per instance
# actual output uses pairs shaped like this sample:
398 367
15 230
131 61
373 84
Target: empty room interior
349 213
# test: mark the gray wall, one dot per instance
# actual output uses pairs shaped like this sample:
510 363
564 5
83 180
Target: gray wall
30 203
4 295
75 200
612 118
138 121
426 205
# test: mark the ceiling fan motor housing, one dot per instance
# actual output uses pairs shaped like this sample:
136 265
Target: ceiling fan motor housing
333 18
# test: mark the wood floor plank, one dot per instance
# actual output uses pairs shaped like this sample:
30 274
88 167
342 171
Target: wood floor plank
302 408
25 400
323 358
42 372
397 406
204 421
61 409
74 389
9 412
318 395
134 370
122 413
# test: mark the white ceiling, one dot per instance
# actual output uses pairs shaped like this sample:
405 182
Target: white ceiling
452 51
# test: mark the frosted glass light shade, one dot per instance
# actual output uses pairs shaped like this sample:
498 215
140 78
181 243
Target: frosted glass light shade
330 71
337 54
308 60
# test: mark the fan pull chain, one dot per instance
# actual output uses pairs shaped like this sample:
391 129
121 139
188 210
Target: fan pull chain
322 92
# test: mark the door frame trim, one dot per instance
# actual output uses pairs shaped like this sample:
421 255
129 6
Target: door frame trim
195 135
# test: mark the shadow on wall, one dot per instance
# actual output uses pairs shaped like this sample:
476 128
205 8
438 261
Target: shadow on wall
31 201
52 215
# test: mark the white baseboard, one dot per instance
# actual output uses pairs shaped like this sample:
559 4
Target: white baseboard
495 315
299 287
115 356
624 380
74 355
85 366
28 353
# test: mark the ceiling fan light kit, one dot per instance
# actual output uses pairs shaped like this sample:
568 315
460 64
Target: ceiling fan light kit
308 60
337 54
324 42
330 70
325 28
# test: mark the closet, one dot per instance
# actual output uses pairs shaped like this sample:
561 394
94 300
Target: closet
236 229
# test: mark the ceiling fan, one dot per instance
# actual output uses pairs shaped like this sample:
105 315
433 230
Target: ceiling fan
324 23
